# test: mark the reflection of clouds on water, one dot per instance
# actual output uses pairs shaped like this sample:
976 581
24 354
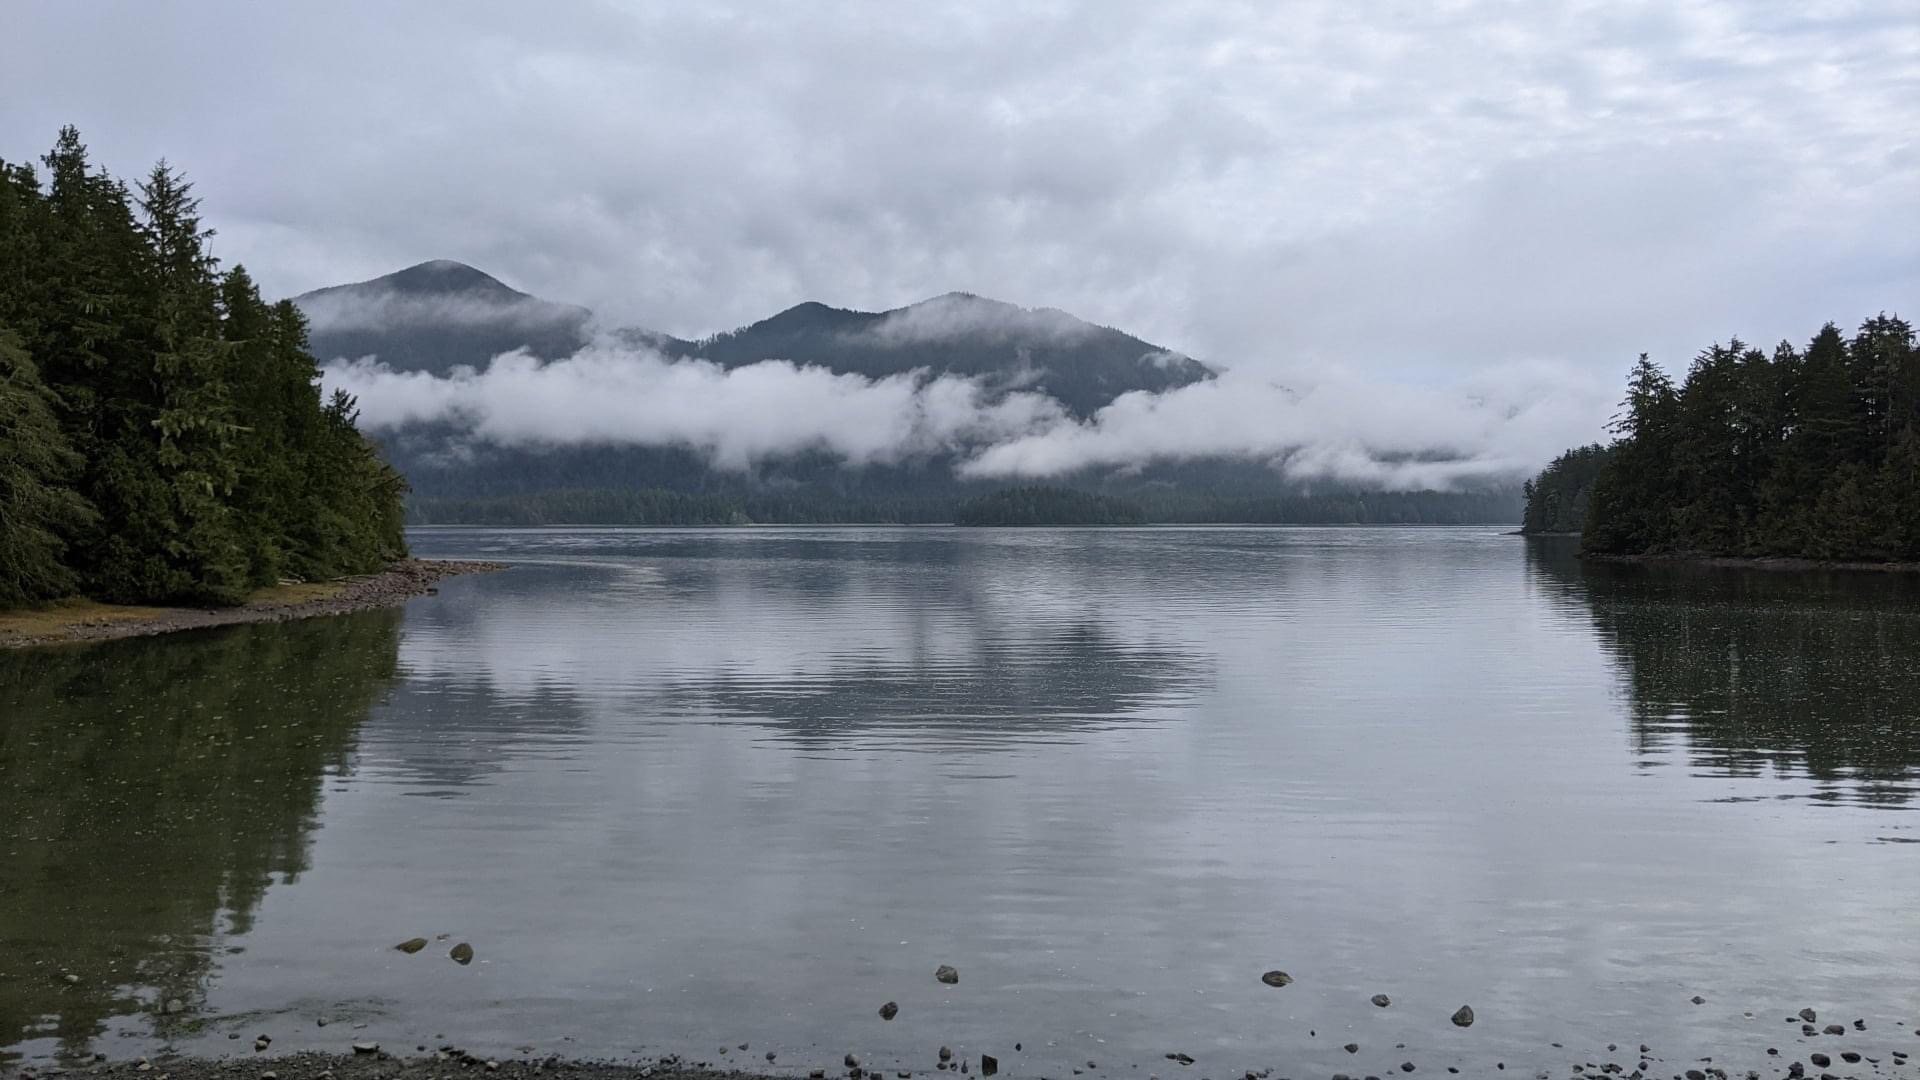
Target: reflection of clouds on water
826 637
1047 686
1761 673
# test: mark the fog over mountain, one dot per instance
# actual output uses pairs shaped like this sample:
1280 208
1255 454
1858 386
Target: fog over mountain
448 361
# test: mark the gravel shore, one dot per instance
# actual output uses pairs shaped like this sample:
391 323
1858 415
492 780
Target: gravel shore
84 621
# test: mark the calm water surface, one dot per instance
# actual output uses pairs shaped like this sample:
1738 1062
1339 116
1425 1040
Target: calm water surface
686 789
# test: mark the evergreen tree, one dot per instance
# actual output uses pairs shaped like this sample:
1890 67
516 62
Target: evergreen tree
167 396
38 510
1813 454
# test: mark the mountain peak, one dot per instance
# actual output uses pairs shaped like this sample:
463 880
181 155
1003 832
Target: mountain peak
444 276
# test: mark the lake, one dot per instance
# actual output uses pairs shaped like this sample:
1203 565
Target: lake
687 789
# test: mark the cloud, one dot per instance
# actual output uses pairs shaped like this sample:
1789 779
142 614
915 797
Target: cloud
1320 426
1412 190
738 417
390 310
1326 426
961 315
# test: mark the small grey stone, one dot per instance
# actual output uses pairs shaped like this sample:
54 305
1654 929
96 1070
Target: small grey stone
366 1048
946 1053
946 974
1809 1015
989 1065
1276 978
1698 1000
1835 1029
1382 1000
852 1061
1820 1060
889 1010
1463 1016
1351 1048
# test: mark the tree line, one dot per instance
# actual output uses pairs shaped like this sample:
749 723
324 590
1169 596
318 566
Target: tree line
1810 453
940 506
163 437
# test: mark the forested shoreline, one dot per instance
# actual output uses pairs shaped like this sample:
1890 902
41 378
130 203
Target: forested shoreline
659 507
1799 454
163 437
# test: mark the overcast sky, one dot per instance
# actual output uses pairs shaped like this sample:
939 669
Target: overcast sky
1422 192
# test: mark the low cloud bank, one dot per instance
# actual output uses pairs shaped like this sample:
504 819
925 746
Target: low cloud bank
1327 426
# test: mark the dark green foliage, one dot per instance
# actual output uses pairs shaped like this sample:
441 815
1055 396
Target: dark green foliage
1557 498
1811 455
175 423
39 511
1049 506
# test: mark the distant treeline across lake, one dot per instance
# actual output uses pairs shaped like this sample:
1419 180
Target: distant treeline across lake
1027 505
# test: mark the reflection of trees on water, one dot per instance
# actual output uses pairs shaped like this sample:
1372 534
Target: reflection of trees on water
1754 672
1076 677
151 790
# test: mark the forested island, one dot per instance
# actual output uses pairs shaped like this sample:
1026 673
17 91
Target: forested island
163 437
1806 454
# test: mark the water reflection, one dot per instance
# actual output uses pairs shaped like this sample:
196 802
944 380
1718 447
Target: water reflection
1068 680
1751 673
150 792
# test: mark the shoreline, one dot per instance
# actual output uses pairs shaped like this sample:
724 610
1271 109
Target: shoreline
79 621
1753 562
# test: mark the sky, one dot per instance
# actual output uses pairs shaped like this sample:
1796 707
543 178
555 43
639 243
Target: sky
1409 195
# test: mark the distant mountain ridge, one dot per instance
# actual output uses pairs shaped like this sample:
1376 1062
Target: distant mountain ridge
442 314
435 316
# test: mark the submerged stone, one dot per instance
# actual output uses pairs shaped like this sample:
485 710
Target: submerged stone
412 945
1276 978
461 953
1463 1016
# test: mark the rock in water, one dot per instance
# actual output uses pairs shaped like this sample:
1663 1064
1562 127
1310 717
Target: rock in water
1809 1015
412 945
1463 1016
1276 978
889 1010
853 1061
989 1064
462 953
1698 1000
946 974
366 1048
1382 1000
946 1053
1835 1029
1351 1048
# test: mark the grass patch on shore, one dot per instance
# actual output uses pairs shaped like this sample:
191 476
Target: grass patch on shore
63 616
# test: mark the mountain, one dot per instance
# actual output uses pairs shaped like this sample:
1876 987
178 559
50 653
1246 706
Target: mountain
441 314
1081 365
435 316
